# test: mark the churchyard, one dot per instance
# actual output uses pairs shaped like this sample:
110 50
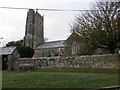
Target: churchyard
61 78
92 72
88 58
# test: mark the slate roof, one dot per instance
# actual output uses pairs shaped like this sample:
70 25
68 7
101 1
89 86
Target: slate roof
53 44
6 50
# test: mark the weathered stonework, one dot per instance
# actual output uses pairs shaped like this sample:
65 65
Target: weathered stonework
9 56
34 34
93 61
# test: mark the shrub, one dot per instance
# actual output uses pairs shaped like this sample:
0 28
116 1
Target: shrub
25 52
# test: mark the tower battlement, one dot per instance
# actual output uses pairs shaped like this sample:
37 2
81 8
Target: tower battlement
34 33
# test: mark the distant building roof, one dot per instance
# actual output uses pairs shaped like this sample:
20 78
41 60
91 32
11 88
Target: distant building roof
52 44
6 50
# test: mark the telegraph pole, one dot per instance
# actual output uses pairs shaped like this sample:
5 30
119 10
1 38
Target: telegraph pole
118 59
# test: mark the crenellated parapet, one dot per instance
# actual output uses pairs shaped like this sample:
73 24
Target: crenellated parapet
34 33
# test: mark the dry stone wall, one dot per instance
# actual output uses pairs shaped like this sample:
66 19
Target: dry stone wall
93 61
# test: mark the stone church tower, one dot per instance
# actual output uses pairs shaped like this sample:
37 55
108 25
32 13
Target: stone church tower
34 34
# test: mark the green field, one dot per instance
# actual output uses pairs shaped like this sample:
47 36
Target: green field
80 70
54 78
74 70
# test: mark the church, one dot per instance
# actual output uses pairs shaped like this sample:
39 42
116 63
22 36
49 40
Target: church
34 38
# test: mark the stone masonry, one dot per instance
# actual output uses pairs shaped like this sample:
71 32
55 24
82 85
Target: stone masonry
93 61
34 35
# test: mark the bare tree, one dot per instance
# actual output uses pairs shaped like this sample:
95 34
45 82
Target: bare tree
101 25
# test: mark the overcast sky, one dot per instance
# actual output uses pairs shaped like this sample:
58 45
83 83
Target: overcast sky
56 24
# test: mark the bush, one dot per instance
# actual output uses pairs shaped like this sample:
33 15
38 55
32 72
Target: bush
25 52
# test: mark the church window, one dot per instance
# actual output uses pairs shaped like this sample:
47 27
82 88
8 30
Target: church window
74 48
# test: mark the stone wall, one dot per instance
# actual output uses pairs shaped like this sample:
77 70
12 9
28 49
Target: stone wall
93 61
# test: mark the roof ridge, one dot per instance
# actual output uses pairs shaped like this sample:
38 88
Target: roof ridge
52 44
54 41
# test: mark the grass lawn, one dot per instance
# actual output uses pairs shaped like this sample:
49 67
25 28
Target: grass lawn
80 70
45 78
